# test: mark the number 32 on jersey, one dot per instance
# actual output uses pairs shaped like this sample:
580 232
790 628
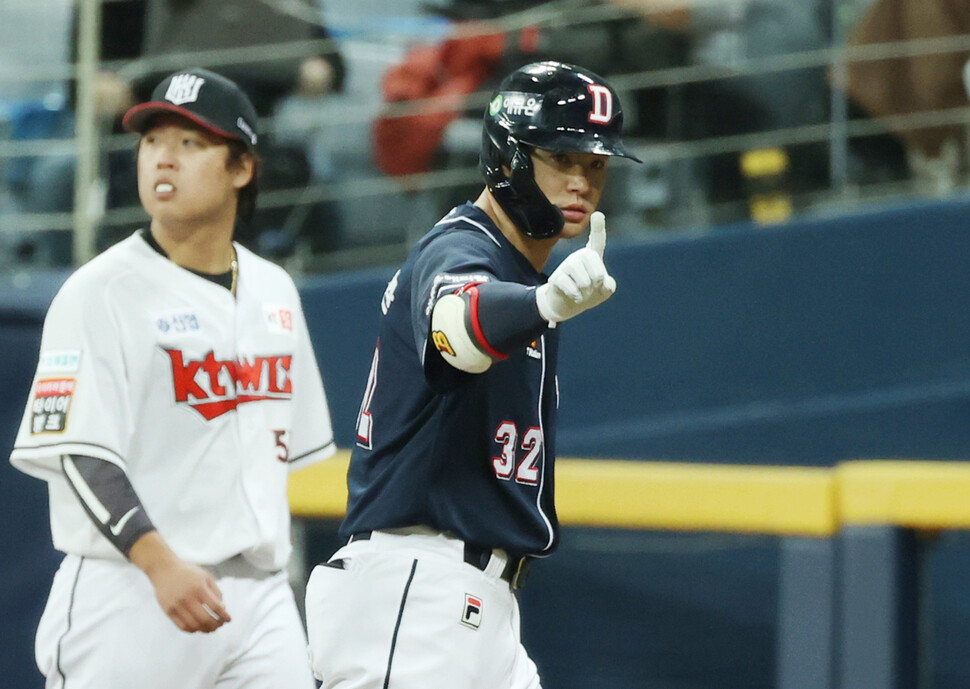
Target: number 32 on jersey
507 464
526 470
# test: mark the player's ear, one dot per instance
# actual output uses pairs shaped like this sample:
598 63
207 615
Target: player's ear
246 170
242 163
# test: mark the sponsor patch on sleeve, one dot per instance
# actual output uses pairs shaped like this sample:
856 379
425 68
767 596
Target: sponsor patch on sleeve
59 361
51 404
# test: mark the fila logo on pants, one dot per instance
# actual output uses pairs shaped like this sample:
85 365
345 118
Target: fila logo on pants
472 614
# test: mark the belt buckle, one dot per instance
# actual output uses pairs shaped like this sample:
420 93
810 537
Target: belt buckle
520 574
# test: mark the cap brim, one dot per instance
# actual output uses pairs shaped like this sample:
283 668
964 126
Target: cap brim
608 145
597 144
624 152
137 118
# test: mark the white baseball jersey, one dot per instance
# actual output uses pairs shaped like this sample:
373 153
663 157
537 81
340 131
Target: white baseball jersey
206 401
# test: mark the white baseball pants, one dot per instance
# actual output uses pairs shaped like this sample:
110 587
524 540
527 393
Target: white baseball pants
103 629
403 610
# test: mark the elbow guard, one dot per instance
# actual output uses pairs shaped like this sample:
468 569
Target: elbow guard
453 334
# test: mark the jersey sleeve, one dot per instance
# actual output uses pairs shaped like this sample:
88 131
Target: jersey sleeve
446 264
109 499
78 402
312 433
503 316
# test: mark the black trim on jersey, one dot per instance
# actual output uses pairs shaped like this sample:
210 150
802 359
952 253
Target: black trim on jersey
70 609
111 487
221 279
397 625
27 448
313 451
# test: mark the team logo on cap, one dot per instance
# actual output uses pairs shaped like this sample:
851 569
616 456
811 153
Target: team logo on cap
602 111
184 88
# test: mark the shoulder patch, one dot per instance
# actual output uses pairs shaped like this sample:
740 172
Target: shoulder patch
51 404
59 361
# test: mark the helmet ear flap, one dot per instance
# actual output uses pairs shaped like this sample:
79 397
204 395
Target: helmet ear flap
543 219
521 163
518 194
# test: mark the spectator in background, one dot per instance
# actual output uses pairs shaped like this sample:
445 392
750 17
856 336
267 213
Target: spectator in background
727 35
913 84
152 35
432 89
434 97
670 33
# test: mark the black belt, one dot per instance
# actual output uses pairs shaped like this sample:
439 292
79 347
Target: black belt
515 571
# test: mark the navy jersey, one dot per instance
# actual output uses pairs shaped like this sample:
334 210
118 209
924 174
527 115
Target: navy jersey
467 454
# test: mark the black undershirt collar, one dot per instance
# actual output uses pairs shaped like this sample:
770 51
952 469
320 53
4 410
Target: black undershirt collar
221 279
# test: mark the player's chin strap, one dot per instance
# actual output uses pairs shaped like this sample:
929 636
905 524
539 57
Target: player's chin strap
520 196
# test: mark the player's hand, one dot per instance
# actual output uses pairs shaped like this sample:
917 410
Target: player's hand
581 280
187 593
190 596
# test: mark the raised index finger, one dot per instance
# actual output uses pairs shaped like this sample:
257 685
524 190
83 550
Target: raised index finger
597 233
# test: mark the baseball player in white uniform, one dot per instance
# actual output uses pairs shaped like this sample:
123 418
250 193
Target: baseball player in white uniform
176 388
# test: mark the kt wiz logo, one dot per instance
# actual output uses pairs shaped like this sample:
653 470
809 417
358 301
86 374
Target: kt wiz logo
213 386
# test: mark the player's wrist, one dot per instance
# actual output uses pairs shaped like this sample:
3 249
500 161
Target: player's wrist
544 305
151 554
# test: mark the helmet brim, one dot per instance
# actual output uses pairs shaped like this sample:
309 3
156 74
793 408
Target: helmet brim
576 141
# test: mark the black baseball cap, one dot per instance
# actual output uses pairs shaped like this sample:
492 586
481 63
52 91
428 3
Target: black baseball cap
210 100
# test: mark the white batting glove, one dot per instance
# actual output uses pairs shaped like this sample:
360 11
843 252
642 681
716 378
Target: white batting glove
581 281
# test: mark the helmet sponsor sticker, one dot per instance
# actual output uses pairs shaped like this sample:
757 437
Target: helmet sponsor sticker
517 104
51 404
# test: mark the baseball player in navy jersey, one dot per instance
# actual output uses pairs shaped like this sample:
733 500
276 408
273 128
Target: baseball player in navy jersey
451 479
175 390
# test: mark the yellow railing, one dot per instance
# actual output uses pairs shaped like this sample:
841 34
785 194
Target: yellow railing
778 500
